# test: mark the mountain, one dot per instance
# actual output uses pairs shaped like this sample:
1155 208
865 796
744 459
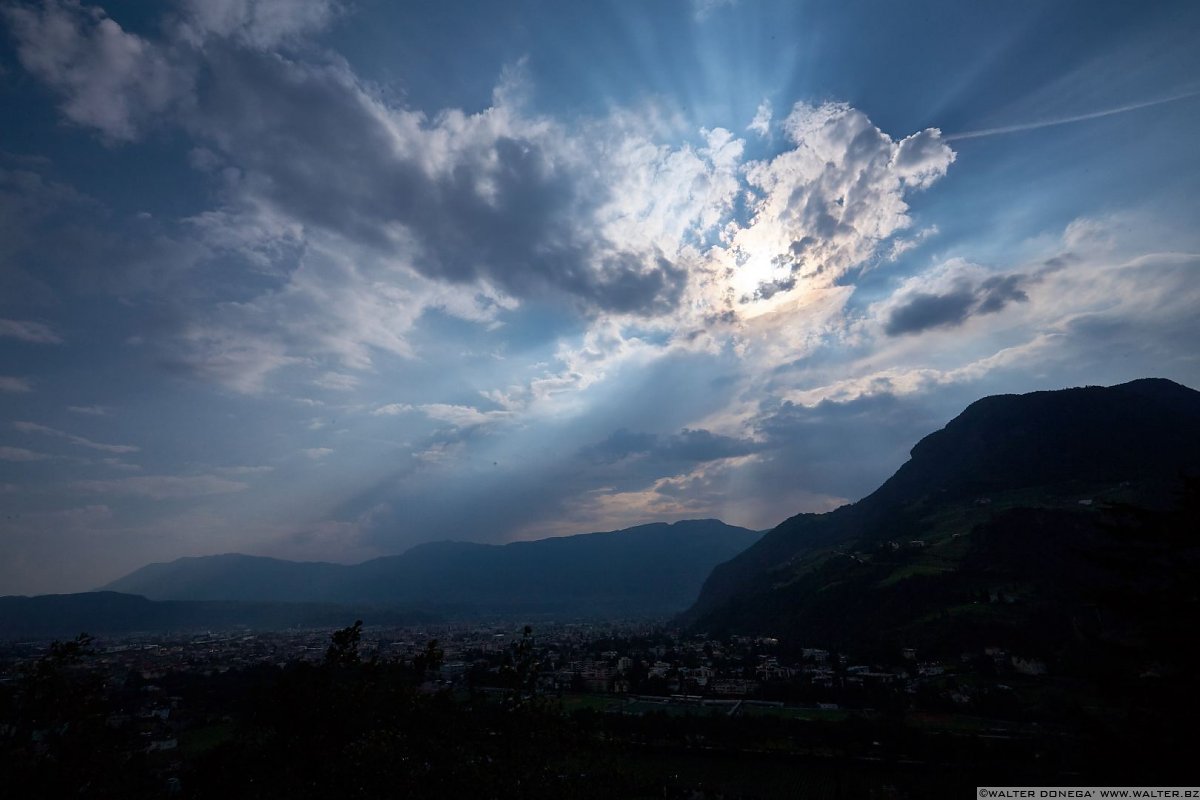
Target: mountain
647 570
65 615
1034 521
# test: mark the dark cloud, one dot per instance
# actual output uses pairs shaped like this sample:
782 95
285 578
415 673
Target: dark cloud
1000 290
459 198
921 311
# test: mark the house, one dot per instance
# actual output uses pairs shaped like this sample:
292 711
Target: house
1028 666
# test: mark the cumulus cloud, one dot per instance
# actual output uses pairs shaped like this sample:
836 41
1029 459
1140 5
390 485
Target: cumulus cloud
826 205
28 331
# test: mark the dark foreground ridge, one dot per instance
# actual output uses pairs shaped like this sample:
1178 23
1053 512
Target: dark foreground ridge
1059 525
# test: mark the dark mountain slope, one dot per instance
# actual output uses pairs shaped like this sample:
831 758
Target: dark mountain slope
647 570
1012 485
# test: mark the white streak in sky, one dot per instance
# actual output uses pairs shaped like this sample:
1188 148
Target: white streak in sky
1029 126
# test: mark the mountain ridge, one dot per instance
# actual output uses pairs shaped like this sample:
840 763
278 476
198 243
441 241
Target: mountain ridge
647 569
1064 465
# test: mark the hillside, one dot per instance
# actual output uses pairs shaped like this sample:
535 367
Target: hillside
1031 521
647 570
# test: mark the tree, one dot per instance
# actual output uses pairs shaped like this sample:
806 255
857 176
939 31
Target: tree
429 663
343 649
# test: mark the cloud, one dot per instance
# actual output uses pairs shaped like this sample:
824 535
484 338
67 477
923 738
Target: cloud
461 416
317 453
26 331
109 79
91 411
220 353
20 454
337 381
1065 120
244 469
761 124
33 427
688 446
948 295
514 201
258 24
356 216
393 409
162 487
922 311
823 207
124 466
9 383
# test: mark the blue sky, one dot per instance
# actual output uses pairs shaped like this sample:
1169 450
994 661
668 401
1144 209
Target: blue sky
324 280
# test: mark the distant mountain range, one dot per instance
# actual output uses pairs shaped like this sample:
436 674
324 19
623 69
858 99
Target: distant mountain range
648 570
1054 523
66 615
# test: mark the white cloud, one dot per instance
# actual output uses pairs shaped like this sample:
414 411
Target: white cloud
317 453
761 124
821 208
27 331
458 416
461 416
118 464
33 427
244 469
393 409
91 411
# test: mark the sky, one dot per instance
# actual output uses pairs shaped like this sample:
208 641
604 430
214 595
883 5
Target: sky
323 280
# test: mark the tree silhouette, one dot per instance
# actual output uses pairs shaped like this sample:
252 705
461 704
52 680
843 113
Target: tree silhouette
343 649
